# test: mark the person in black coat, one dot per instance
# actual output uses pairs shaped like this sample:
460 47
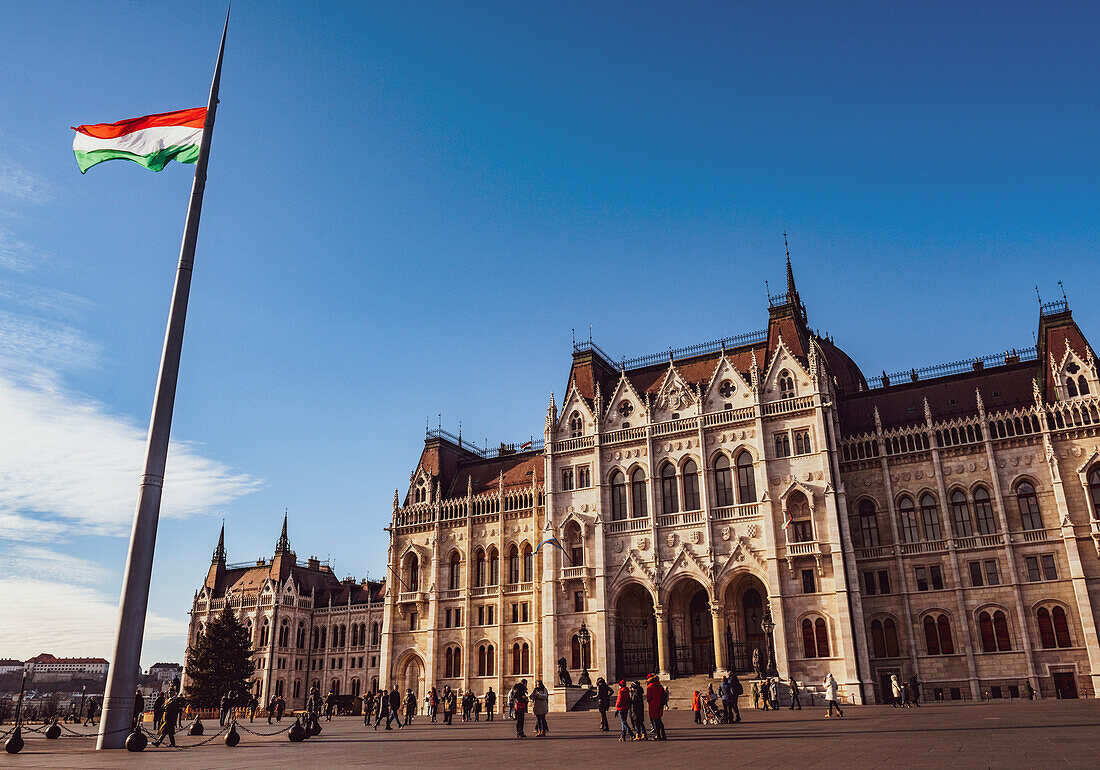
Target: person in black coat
139 708
490 704
603 702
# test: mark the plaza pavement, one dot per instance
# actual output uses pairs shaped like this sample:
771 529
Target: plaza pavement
996 734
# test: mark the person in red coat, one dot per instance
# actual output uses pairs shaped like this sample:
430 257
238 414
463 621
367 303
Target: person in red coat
655 697
622 710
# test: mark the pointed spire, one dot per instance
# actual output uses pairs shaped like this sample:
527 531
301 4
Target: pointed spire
791 291
283 546
219 552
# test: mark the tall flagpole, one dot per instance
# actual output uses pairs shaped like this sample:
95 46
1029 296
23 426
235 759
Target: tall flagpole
118 701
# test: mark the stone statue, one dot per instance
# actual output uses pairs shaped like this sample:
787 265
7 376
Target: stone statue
757 670
563 674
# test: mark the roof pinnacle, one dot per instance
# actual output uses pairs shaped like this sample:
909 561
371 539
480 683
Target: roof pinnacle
283 546
219 552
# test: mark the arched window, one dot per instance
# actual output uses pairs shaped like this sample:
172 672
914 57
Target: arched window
324 632
943 624
1083 385
670 502
1046 628
983 512
300 638
485 660
515 659
479 568
354 635
413 571
263 633
800 528
494 567
525 658
985 626
723 481
1071 387
375 634
1094 491
456 571
576 425
334 686
746 479
297 688
638 493
513 565
907 517
822 632
868 524
878 640
960 514
786 384
1029 506
931 637
891 631
809 643
930 517
690 474
1000 628
343 636
527 563
316 637
452 662
578 650
618 496
1061 627
284 634
355 686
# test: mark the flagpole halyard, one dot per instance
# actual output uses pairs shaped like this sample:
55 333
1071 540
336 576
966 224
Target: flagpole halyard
119 698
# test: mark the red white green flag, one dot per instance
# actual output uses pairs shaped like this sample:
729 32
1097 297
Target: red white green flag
152 141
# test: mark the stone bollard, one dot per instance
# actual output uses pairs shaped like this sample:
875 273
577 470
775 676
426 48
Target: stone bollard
14 744
136 741
297 733
196 728
53 732
232 738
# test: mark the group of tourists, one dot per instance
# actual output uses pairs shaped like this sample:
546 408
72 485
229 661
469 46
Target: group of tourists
631 706
904 694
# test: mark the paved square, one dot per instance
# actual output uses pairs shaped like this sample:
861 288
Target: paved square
997 734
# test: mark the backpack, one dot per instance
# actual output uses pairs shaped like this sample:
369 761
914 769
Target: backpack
664 697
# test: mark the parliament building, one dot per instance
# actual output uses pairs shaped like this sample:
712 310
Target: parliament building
942 523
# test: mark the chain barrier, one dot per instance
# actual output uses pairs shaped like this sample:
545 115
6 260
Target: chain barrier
277 732
219 734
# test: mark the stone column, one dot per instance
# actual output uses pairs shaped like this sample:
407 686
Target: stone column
662 642
721 666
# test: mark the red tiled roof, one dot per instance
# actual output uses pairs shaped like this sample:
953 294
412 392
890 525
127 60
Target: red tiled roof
520 470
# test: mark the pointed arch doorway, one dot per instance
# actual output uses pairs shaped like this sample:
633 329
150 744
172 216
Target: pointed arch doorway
744 603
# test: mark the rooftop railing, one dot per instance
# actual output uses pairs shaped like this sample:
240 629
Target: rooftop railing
486 453
955 367
749 338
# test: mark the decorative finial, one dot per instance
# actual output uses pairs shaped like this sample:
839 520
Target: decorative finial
1063 288
283 546
219 552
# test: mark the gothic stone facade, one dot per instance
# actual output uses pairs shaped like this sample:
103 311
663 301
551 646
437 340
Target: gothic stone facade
308 628
946 526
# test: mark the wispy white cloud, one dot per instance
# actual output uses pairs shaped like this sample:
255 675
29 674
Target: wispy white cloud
39 615
22 184
17 255
39 563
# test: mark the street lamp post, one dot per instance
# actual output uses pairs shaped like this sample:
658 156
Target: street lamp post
768 625
584 636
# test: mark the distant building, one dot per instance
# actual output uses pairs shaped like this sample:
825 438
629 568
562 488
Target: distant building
46 667
8 666
308 628
164 673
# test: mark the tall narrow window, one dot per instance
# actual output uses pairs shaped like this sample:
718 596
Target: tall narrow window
528 563
691 486
783 444
637 493
618 496
891 630
513 565
746 479
723 481
515 659
868 524
576 426
413 581
801 526
1046 628
786 384
910 531
1029 506
983 512
821 630
1094 491
931 637
456 571
943 624
479 568
1061 627
809 645
1000 628
801 442
985 625
494 567
878 640
930 517
669 499
960 514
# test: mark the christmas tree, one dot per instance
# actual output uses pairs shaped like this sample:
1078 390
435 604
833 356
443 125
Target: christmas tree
219 662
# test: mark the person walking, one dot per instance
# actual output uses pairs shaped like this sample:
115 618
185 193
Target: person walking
467 705
92 704
730 691
395 707
383 710
330 704
158 710
696 707
139 708
622 711
796 700
540 706
638 708
223 709
829 683
449 704
895 691
490 705
410 705
280 707
774 690
433 703
477 709
914 690
656 696
1027 685
519 705
603 702
271 707
173 707
314 704
755 695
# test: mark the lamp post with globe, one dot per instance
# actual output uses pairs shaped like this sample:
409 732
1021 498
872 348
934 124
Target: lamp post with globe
768 626
584 636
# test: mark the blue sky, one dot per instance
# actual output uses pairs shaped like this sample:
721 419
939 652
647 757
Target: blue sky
411 205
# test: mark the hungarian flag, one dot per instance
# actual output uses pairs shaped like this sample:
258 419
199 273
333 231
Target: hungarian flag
152 141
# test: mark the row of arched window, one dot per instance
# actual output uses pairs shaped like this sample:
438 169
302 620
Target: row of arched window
993 632
815 638
921 520
486 568
682 493
452 660
338 639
